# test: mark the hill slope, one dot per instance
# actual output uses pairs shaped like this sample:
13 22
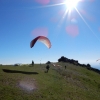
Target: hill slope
32 83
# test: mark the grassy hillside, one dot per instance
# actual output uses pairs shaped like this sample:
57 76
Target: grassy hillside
32 83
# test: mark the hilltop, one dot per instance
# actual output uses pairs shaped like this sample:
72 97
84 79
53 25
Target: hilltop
32 83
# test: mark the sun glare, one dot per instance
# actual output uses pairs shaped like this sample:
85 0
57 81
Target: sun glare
70 4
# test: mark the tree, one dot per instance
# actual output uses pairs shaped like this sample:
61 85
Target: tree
63 59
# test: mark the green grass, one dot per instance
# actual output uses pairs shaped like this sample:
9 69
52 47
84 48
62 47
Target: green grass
72 83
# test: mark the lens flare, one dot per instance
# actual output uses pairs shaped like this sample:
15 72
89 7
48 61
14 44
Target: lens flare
43 2
72 30
27 84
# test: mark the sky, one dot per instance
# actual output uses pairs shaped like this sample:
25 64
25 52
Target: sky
73 32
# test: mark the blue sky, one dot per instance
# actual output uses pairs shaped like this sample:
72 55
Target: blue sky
75 34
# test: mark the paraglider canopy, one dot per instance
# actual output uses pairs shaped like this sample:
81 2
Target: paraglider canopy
97 59
43 39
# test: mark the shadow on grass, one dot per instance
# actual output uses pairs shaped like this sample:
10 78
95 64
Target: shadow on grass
16 71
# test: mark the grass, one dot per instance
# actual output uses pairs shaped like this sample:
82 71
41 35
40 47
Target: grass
72 83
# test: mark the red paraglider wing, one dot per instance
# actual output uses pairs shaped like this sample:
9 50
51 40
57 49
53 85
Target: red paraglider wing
43 39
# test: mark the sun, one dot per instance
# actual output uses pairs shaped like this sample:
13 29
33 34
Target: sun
70 4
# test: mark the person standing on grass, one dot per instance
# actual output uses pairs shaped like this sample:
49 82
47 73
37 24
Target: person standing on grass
32 63
65 67
47 67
